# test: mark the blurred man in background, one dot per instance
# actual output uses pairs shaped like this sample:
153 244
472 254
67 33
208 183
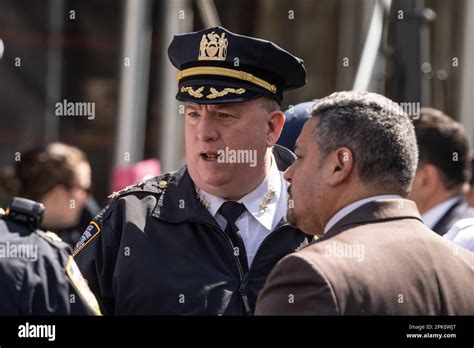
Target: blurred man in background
462 233
444 170
470 194
59 176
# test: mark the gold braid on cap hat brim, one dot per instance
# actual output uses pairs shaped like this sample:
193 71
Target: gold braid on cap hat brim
236 74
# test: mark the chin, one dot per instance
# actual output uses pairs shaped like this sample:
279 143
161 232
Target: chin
300 223
292 219
204 178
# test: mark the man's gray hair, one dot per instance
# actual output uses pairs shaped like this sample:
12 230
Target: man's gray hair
379 133
270 104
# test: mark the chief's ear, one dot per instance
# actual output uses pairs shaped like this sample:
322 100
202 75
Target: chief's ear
341 163
276 121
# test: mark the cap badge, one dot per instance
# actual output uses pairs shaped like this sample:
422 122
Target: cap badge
213 47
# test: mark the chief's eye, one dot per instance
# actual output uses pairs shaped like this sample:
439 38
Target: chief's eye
224 115
192 114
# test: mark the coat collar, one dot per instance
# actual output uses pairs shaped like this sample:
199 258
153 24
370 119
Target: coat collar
179 201
376 211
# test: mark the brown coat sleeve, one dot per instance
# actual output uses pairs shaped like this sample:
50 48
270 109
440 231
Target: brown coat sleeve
297 287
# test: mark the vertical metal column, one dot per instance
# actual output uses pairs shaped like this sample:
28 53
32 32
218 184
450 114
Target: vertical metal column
133 93
208 12
177 18
466 64
404 83
53 69
371 49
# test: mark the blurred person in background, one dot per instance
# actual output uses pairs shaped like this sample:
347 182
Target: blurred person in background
462 233
59 176
444 169
142 170
295 118
470 195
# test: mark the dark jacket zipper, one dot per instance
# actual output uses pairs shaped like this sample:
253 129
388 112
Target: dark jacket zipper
243 277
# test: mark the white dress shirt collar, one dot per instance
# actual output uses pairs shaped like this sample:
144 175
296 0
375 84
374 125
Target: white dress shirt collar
254 199
353 206
462 233
432 216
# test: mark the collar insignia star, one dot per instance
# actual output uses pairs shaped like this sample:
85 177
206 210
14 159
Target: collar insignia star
201 198
267 199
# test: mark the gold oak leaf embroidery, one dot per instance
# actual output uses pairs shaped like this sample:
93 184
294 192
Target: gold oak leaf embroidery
215 93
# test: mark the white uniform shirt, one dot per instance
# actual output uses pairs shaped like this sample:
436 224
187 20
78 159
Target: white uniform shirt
255 223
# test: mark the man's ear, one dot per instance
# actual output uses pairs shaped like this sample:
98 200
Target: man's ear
431 177
341 163
276 121
52 196
422 176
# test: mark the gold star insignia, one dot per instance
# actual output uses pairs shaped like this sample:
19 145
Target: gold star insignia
113 194
267 199
202 199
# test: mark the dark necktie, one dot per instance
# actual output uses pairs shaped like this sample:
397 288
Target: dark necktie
231 212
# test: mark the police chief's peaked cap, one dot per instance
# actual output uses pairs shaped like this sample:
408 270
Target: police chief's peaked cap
217 66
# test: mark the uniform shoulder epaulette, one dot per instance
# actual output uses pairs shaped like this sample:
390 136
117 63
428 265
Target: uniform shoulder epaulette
154 185
51 238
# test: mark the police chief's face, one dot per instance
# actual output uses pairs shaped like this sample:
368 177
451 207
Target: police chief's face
307 183
226 145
